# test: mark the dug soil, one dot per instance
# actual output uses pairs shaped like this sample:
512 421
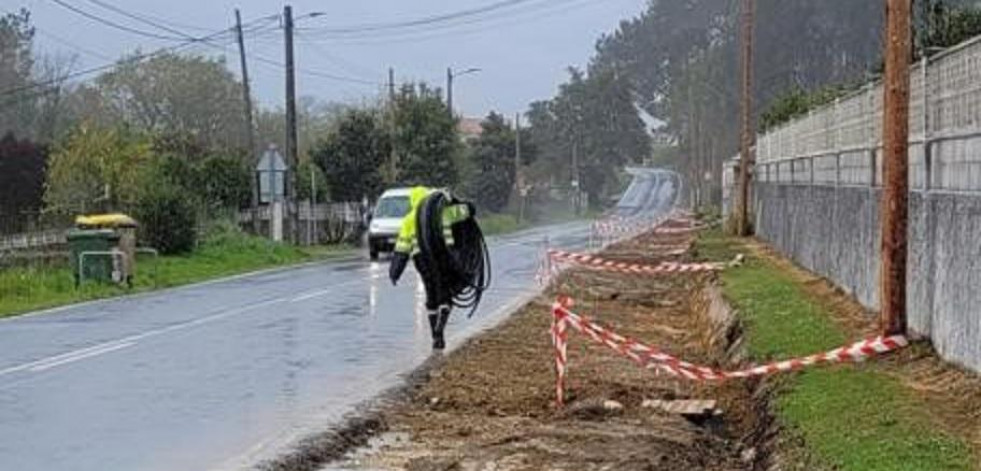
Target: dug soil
490 405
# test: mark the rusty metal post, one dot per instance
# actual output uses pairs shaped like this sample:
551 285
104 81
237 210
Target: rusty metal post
895 168
745 153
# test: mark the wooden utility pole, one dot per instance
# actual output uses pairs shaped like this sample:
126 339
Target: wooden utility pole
745 151
894 207
253 153
291 135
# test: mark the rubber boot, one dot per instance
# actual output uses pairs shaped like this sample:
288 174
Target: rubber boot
439 342
433 320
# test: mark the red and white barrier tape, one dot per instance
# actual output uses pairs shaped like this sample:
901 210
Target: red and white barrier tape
599 263
652 358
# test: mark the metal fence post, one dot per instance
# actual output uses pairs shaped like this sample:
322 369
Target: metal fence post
873 170
927 143
837 168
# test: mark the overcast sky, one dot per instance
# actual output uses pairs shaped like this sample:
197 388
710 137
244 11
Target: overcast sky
523 50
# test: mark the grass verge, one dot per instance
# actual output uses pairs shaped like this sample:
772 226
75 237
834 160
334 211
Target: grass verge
28 289
852 417
501 223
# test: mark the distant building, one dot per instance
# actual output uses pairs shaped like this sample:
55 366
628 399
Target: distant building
469 128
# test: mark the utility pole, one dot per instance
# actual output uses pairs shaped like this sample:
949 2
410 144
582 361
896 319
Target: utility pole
449 90
745 152
249 127
575 174
519 180
393 156
291 135
895 169
692 138
391 84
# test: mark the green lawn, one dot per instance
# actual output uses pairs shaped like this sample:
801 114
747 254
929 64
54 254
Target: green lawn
500 223
503 223
851 417
27 289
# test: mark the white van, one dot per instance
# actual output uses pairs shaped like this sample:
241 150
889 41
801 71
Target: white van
386 220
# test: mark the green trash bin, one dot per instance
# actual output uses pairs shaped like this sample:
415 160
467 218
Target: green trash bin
93 244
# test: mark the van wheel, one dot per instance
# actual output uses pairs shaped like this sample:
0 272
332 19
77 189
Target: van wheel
373 254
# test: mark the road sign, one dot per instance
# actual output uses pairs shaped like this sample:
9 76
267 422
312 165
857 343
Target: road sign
271 172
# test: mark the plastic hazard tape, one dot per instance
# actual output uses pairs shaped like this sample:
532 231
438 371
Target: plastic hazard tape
615 228
652 358
599 263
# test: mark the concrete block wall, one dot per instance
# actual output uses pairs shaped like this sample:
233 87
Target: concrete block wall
834 231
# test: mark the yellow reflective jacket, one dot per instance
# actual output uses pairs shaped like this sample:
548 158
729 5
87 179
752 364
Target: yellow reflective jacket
406 242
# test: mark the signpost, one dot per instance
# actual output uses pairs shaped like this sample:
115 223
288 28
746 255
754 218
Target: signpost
271 174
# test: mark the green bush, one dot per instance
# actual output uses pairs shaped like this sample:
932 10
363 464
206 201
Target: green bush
167 220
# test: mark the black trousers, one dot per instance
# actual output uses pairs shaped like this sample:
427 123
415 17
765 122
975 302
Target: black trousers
439 291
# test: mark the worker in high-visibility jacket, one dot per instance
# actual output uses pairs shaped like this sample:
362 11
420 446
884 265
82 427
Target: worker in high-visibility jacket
439 286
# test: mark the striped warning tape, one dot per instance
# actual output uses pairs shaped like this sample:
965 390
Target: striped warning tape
652 358
599 263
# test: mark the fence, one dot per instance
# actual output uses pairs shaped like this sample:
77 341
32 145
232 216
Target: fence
323 223
817 189
320 223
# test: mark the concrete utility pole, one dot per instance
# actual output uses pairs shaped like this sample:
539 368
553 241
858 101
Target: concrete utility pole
895 168
449 85
519 180
291 135
391 84
745 152
576 184
449 90
249 126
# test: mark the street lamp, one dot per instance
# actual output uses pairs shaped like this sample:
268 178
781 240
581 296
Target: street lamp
450 75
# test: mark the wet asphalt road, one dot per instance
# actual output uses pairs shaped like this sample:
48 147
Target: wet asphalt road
220 375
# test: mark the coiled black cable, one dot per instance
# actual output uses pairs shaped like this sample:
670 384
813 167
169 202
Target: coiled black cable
463 268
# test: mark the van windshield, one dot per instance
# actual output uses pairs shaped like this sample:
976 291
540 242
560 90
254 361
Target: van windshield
392 207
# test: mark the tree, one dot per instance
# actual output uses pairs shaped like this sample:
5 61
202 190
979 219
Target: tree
22 165
168 219
97 169
594 121
223 182
16 73
314 119
352 155
176 93
427 144
942 23
680 57
310 177
492 177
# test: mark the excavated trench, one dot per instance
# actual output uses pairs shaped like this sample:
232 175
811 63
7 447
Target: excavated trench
490 404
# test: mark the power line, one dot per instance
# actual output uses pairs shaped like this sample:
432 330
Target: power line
100 68
139 18
65 42
155 24
112 24
315 73
320 50
434 19
256 25
447 30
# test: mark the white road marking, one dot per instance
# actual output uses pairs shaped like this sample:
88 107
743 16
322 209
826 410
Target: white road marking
126 342
119 344
311 295
90 354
